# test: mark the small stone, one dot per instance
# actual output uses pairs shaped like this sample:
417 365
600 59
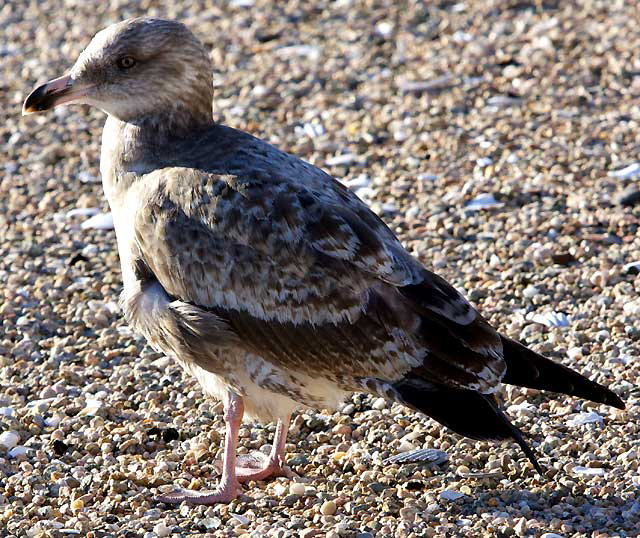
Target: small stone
379 404
408 513
551 319
348 409
574 352
581 419
290 500
242 520
589 471
279 489
18 451
328 508
563 258
101 221
406 446
377 487
483 201
451 495
210 523
77 505
462 470
628 172
9 439
296 488
520 527
161 530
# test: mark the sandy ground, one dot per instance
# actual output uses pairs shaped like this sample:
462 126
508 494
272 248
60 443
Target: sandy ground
498 139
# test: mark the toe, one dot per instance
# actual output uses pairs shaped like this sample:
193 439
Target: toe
179 495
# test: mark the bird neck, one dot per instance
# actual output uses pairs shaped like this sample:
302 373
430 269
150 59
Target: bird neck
135 148
162 127
149 140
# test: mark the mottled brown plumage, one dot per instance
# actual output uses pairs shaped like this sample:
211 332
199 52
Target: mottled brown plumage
263 276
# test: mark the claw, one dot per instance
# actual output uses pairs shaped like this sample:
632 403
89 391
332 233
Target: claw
257 466
191 496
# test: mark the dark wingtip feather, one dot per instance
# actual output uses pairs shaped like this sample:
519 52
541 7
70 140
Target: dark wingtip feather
519 438
466 412
526 368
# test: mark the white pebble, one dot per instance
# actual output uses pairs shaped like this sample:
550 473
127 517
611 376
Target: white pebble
530 292
628 172
296 488
7 411
9 439
241 519
574 352
82 212
161 530
551 319
310 52
366 193
589 471
280 489
92 407
358 182
343 159
483 201
632 308
86 177
89 251
483 162
384 28
379 404
525 408
590 417
52 422
101 221
18 451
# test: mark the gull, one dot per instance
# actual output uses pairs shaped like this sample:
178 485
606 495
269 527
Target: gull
267 279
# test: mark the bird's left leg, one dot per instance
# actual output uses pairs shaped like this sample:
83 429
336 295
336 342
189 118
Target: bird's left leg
258 466
229 487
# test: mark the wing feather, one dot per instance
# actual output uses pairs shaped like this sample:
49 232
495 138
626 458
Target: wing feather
306 278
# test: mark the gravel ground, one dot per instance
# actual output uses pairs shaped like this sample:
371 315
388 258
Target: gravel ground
499 139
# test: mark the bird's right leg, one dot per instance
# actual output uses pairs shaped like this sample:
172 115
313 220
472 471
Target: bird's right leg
259 466
229 487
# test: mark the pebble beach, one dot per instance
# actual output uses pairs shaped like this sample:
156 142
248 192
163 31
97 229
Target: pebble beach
499 140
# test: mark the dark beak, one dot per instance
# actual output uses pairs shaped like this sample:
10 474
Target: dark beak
53 93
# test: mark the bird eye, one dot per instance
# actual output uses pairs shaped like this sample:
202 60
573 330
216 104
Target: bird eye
126 62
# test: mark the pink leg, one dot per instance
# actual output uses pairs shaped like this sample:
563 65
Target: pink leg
258 466
229 487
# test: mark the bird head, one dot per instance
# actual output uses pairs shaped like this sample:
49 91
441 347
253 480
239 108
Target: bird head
133 69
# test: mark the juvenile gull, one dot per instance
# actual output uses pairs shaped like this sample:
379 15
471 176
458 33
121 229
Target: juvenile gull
265 278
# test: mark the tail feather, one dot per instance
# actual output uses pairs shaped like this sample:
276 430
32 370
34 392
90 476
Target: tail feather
466 412
526 368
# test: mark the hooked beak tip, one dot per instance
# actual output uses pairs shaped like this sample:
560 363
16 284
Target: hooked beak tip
55 92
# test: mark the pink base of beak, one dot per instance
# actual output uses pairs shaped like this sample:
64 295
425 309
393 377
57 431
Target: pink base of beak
51 94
